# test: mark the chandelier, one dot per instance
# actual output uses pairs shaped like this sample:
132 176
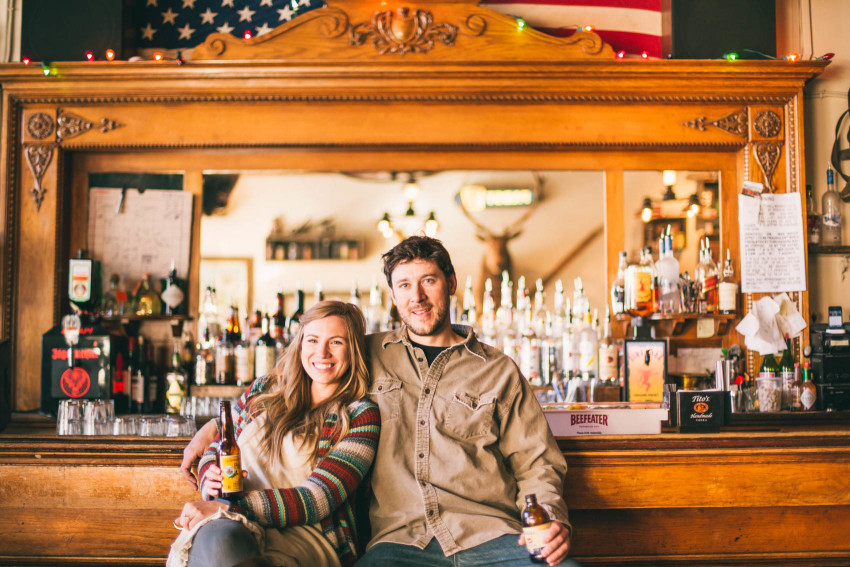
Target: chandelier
410 223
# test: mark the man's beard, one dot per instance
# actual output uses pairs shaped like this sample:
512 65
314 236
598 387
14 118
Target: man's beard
426 331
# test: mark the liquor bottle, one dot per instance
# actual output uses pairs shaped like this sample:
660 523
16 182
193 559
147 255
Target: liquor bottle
709 281
505 319
830 228
228 456
225 360
138 379
243 366
569 342
580 301
470 311
786 373
794 403
84 282
618 288
319 294
535 523
279 318
209 325
155 401
205 359
489 330
808 390
265 352
769 368
114 299
608 355
641 284
812 217
177 383
172 293
255 325
294 321
670 297
375 312
699 278
279 342
146 299
727 289
354 297
588 350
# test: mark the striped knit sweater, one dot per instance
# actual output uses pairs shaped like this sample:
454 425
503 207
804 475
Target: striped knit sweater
326 496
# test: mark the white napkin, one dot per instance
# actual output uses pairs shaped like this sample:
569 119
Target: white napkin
767 323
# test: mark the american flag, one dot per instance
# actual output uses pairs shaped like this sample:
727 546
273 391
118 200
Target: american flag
630 25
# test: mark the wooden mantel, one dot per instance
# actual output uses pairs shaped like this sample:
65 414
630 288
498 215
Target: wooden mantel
357 86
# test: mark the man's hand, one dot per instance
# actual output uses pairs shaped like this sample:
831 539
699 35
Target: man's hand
557 540
194 512
195 450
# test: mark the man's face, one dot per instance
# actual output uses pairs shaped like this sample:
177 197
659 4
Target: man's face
421 294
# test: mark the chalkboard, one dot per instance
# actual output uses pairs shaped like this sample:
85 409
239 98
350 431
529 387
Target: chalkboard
133 233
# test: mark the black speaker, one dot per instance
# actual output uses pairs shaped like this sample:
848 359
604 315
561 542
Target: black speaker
63 30
708 29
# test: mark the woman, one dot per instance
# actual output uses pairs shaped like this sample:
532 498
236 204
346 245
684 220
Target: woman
307 439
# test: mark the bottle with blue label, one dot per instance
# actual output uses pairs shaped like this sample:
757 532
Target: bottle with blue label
830 227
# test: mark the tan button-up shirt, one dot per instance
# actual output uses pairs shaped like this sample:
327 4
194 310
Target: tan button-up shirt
462 442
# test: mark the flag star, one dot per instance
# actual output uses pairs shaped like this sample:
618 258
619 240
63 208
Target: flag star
147 32
263 29
266 3
168 16
224 28
285 14
151 3
208 16
185 32
225 3
245 14
189 4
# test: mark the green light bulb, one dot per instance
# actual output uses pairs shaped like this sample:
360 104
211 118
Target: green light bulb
731 56
46 70
520 23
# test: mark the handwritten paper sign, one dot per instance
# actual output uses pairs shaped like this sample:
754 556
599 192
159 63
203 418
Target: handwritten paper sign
772 243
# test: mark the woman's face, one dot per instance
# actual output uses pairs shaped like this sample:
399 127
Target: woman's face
325 355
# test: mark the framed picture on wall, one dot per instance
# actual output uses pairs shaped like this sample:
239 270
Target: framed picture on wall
645 370
233 280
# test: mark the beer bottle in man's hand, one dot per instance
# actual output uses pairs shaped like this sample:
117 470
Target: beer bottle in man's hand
229 458
535 522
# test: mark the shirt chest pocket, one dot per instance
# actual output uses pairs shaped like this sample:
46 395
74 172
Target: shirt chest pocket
471 416
386 393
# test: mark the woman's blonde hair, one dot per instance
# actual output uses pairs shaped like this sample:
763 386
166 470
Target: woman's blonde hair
287 402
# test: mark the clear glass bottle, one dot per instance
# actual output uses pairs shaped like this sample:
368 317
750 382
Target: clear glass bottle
830 228
114 299
176 381
608 356
618 288
812 217
375 312
470 311
727 289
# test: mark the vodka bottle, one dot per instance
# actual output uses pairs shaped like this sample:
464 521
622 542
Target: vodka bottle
570 346
830 227
505 319
580 302
668 277
588 351
488 314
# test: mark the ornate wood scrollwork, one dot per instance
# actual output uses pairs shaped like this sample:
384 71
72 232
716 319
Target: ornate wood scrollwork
767 123
71 125
38 158
767 156
735 123
402 32
40 125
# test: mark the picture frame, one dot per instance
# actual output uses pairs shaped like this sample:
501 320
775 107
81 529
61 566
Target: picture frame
233 280
645 363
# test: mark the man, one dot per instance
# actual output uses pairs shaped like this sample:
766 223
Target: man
463 437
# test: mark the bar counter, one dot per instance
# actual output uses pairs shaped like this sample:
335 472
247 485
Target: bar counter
759 493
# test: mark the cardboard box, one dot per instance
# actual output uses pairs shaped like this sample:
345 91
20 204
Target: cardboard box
623 418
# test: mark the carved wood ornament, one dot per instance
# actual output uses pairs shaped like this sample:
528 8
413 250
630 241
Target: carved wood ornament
767 123
38 157
40 125
71 125
403 32
735 123
767 156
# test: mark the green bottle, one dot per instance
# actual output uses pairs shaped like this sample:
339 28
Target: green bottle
787 374
769 367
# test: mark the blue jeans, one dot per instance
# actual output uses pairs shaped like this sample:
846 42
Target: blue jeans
503 551
222 543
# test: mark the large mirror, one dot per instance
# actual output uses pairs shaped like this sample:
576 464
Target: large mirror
313 227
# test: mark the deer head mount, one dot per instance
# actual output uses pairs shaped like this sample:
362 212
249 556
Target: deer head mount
497 258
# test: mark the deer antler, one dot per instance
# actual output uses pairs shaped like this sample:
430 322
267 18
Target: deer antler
513 231
483 229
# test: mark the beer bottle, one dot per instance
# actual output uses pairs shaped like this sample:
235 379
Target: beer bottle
228 456
535 522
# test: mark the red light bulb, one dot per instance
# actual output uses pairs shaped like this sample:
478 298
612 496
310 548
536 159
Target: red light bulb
157 56
89 56
247 34
644 55
621 54
26 60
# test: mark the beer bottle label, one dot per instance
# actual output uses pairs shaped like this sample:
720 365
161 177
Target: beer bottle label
534 538
231 474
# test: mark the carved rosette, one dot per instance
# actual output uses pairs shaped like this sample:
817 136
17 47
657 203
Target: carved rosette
38 158
767 123
40 125
402 32
735 123
71 125
767 156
